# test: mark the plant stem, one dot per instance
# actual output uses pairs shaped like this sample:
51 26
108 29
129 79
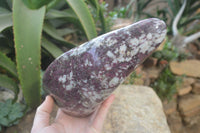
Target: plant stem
177 18
192 37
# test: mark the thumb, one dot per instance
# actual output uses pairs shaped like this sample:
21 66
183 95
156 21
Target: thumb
42 115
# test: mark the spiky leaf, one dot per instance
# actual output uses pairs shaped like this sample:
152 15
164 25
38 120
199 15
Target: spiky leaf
7 64
51 48
84 15
27 33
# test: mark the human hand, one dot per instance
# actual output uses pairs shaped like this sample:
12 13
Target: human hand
68 124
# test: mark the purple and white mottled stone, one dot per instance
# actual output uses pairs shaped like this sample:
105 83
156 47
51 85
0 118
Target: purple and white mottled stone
82 78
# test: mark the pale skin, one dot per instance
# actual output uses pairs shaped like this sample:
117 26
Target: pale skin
64 123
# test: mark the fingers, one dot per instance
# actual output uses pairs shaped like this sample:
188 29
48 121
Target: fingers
42 115
101 114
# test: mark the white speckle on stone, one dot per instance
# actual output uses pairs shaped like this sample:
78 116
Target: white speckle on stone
62 78
142 36
70 86
85 104
121 58
90 64
92 76
114 81
160 38
96 96
155 36
124 67
86 62
149 36
144 47
104 83
63 85
128 59
108 67
123 49
70 75
134 41
85 81
92 87
110 41
134 52
116 51
51 72
85 89
111 55
85 94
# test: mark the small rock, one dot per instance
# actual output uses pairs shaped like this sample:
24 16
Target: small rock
5 95
189 121
185 86
194 128
175 122
196 88
136 109
189 105
153 72
163 63
187 67
187 81
170 107
184 90
150 62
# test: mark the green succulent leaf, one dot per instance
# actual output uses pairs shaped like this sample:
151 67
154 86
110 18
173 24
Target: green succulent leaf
5 19
3 10
36 4
51 48
50 30
10 113
7 64
85 17
65 31
27 35
53 14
